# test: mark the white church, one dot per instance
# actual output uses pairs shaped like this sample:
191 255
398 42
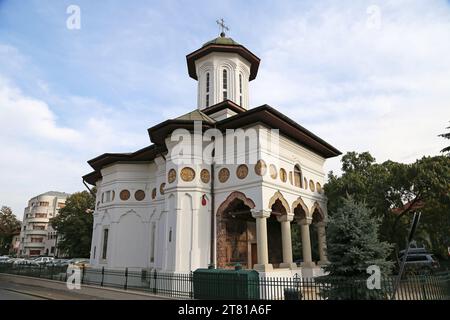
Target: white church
175 211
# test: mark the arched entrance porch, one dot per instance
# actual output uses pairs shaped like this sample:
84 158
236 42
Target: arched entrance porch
236 232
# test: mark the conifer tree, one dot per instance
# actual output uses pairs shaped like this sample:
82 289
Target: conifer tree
353 246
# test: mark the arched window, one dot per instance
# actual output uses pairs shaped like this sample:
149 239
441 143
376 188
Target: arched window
207 89
240 89
225 84
297 176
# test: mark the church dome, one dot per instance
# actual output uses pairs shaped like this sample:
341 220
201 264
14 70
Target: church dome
226 45
222 40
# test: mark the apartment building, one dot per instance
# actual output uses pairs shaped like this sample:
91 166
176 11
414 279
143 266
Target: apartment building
37 237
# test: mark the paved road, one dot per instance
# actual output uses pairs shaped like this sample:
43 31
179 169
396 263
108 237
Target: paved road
26 288
7 294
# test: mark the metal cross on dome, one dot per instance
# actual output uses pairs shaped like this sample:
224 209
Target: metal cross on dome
222 25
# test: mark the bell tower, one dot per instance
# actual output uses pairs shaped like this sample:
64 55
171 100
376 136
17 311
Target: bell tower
223 69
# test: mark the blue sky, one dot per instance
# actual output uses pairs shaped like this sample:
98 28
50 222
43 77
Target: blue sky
365 75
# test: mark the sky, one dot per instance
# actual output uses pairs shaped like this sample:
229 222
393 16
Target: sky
363 75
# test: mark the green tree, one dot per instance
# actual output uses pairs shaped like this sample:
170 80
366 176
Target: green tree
8 225
446 136
354 245
74 225
389 185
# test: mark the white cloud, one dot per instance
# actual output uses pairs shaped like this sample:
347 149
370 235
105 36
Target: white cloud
40 153
386 89
23 116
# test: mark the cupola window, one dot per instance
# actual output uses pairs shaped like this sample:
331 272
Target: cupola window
225 84
207 89
240 89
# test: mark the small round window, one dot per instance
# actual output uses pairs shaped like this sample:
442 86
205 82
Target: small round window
124 195
139 195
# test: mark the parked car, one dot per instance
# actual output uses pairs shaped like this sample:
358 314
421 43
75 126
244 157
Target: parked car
59 262
414 251
27 262
420 262
17 261
4 259
43 260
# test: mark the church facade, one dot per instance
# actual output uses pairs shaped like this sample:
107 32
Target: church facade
221 185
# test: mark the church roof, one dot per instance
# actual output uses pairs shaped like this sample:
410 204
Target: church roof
222 40
222 44
145 154
272 118
159 132
265 115
226 104
196 115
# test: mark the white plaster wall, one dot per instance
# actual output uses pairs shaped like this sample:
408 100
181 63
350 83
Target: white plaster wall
179 212
214 63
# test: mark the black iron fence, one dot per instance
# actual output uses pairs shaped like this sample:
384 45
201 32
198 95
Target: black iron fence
425 287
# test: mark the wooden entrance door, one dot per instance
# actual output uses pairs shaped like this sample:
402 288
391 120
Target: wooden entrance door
254 252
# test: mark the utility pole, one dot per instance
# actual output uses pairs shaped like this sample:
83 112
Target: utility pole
414 224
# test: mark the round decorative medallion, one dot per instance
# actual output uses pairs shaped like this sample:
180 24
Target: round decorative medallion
311 185
283 175
290 177
273 171
205 176
161 188
187 174
139 195
306 183
172 175
260 168
124 195
318 187
224 174
154 193
242 171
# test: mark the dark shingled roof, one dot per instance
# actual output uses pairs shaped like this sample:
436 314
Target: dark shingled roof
265 115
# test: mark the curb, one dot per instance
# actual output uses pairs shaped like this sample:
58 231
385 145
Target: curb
133 292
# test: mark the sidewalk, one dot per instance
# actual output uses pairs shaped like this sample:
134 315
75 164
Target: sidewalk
57 290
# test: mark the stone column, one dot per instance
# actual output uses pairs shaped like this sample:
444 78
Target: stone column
285 222
306 243
322 243
261 240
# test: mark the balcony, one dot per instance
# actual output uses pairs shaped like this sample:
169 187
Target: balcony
29 244
42 220
36 232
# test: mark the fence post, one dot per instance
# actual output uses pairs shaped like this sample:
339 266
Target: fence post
52 270
191 284
40 271
155 278
83 267
126 279
103 276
